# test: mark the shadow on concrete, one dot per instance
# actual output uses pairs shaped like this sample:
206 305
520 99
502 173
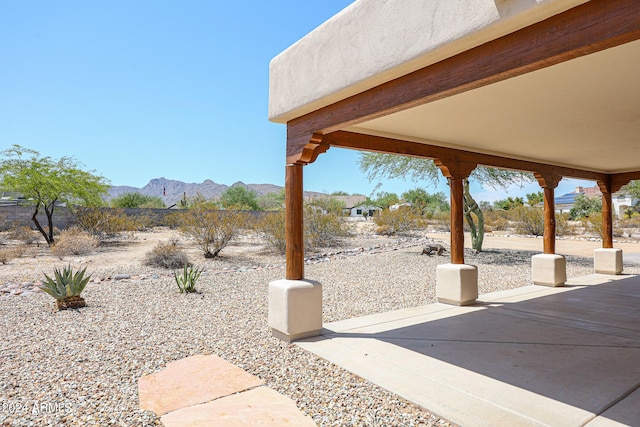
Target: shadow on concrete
579 345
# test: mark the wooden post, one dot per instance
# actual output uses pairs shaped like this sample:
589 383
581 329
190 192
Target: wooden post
549 183
607 221
549 222
294 232
456 170
457 221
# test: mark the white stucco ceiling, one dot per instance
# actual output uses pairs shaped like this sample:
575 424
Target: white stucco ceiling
586 111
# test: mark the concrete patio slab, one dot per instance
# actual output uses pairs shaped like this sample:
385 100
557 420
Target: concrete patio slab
625 413
528 356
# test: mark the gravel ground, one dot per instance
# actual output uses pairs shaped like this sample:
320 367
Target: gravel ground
80 367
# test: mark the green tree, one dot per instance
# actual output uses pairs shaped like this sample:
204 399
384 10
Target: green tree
339 193
632 189
384 199
136 200
393 166
46 182
535 198
239 197
584 206
427 204
508 203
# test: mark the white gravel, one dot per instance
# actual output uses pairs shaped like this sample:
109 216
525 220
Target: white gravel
80 367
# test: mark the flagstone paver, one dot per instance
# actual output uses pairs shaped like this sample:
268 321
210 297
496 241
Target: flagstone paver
261 406
193 380
206 390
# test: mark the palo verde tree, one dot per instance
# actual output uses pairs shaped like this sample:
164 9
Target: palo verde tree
46 182
394 166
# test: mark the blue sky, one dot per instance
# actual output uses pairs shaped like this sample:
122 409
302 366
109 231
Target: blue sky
136 90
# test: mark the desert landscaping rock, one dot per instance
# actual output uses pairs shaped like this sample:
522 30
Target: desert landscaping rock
82 366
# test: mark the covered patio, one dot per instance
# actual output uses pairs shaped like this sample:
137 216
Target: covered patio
543 86
524 357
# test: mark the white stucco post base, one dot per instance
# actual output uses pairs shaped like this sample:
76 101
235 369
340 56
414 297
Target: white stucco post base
457 284
295 309
548 270
607 261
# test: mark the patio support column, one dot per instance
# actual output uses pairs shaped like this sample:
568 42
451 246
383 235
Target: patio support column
294 226
295 303
456 282
457 221
607 260
607 220
549 268
549 245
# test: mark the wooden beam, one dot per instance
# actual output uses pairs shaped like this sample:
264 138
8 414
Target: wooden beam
619 180
591 27
294 226
379 144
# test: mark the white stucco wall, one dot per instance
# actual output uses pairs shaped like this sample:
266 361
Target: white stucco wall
374 41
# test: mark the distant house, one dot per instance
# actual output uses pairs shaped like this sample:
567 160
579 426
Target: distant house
359 210
354 206
621 202
399 205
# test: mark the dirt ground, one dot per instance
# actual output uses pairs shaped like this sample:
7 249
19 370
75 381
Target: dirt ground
249 250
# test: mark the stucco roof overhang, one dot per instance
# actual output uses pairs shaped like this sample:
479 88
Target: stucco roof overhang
557 85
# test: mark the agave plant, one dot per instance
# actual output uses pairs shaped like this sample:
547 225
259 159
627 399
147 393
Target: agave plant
66 287
187 280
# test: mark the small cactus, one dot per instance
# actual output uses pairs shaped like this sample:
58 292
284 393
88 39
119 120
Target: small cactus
187 281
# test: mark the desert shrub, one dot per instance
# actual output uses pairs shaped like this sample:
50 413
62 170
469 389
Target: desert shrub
593 224
24 234
321 230
6 254
528 220
442 220
105 223
172 220
74 242
628 226
399 221
211 230
564 227
495 220
146 220
166 255
272 227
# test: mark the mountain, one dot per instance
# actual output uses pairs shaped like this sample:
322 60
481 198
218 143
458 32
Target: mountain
171 191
